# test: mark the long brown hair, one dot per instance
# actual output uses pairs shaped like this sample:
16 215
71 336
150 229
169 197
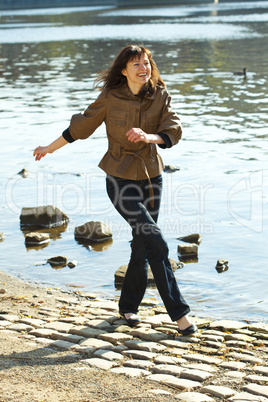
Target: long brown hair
113 77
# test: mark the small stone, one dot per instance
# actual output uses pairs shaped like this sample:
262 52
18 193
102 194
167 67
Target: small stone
192 238
3 291
2 237
36 239
222 265
72 264
58 261
188 250
23 173
218 391
193 397
94 231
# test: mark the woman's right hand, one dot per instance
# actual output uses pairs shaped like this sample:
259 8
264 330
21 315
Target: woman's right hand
40 152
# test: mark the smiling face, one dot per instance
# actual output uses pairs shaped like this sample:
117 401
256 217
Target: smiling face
137 72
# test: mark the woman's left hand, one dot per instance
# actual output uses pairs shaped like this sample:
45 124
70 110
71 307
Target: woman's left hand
136 135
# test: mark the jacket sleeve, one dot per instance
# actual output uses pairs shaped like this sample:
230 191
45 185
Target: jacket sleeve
170 123
84 124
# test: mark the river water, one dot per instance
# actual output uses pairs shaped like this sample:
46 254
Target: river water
48 62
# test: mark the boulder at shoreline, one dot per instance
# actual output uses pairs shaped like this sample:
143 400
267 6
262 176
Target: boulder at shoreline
93 231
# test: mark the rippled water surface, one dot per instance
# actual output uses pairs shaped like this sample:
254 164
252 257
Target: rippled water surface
48 63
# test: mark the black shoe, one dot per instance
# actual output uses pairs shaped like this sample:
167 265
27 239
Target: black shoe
188 331
132 322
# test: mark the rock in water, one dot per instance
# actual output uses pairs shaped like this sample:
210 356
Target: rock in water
222 265
2 237
171 169
93 231
192 238
188 250
35 238
24 173
59 261
45 216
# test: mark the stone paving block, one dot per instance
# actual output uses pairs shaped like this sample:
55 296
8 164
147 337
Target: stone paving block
104 305
246 397
213 338
139 354
167 369
34 322
218 391
259 327
228 325
261 370
256 378
193 397
163 359
239 337
233 365
161 377
177 351
244 357
130 372
99 363
44 333
74 320
20 327
108 355
147 346
194 338
236 344
157 320
84 349
100 324
69 337
115 338
141 364
200 366
182 383
119 348
166 330
63 344
9 317
87 332
109 318
201 358
159 392
59 326
148 334
170 343
96 344
256 389
212 344
195 375
4 323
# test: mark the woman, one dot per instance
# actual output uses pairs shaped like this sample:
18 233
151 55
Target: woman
136 108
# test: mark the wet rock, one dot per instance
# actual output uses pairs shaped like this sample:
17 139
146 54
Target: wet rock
192 238
93 231
72 264
59 261
24 173
44 216
2 237
35 238
121 272
188 251
3 291
222 265
171 169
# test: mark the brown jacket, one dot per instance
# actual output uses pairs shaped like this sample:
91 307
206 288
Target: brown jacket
121 111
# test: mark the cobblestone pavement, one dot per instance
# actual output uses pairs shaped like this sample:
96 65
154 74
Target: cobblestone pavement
225 360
